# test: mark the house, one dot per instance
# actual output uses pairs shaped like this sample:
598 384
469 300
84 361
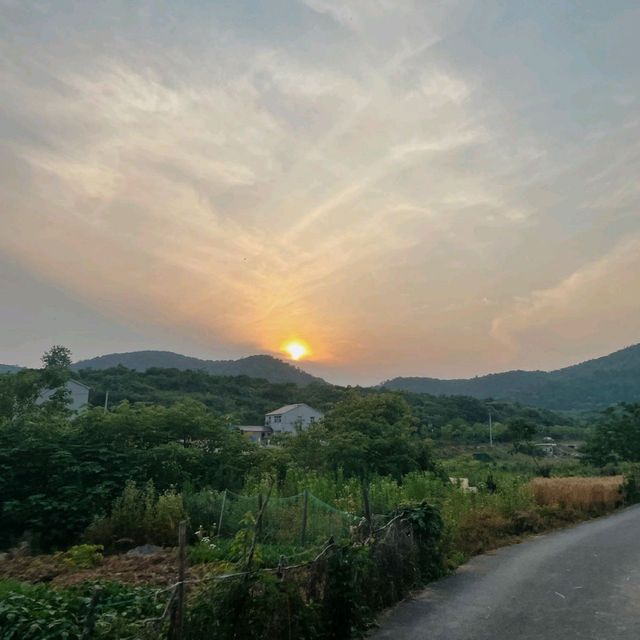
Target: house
255 433
291 417
78 395
547 446
286 419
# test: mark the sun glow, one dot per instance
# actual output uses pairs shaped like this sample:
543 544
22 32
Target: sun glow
296 349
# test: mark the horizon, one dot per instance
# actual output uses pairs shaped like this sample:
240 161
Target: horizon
338 382
443 191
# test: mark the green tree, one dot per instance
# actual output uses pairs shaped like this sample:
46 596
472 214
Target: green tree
521 433
617 436
57 358
55 373
374 433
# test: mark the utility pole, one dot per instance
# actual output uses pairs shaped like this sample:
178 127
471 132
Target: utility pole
106 401
490 430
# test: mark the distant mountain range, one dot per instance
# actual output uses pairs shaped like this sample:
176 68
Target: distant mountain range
9 368
593 384
262 366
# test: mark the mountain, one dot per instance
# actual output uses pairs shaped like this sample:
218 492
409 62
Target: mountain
262 366
9 368
590 385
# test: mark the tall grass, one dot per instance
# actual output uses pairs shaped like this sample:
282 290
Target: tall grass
589 494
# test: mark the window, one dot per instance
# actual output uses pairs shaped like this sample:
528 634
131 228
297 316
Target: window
312 419
277 418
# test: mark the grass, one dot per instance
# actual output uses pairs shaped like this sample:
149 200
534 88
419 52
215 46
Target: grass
588 494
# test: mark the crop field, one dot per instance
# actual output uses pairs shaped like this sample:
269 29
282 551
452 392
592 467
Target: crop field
584 493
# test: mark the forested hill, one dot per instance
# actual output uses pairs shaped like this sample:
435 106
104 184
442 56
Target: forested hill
594 384
261 366
245 400
9 368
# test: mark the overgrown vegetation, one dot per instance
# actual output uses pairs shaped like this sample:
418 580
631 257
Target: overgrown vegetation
29 612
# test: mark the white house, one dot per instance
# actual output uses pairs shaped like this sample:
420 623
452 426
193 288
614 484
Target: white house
254 433
78 395
291 417
548 446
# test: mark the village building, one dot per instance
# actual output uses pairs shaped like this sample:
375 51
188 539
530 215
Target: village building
255 433
291 417
287 419
78 395
548 446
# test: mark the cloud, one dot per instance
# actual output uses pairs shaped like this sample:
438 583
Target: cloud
357 181
594 305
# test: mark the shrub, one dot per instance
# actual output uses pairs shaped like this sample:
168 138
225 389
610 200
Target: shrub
84 556
335 597
140 516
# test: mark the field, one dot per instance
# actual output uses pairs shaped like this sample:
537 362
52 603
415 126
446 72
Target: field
588 494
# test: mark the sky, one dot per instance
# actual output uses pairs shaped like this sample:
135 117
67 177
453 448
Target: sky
413 188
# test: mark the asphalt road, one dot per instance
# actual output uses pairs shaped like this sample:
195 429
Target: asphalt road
582 582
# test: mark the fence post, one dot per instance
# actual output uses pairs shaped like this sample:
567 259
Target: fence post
224 500
305 511
90 621
259 517
176 628
367 506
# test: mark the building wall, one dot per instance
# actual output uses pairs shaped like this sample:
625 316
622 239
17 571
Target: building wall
79 397
302 415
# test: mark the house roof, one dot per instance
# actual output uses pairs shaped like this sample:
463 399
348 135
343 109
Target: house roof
286 409
80 384
249 428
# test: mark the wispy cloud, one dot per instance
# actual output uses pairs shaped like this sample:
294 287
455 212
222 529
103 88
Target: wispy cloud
594 305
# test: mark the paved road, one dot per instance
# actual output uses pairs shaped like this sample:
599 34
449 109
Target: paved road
582 582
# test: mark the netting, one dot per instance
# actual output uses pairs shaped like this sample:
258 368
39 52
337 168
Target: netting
302 520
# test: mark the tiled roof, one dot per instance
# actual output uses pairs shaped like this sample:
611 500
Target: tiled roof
285 409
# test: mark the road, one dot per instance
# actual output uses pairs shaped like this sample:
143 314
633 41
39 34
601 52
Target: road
582 582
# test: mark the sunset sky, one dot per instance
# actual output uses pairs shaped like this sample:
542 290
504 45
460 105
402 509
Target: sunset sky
413 188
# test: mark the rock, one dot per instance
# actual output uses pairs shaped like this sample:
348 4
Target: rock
145 550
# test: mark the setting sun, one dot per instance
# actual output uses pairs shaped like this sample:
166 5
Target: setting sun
296 349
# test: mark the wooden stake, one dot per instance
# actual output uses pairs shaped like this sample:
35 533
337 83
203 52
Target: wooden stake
90 620
259 518
224 500
367 506
305 513
176 628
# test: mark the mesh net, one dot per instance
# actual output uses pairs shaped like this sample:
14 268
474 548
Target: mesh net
302 520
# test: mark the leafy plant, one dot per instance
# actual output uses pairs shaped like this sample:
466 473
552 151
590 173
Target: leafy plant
84 556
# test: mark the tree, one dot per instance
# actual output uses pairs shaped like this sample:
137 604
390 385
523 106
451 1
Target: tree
57 358
521 432
617 436
56 372
374 433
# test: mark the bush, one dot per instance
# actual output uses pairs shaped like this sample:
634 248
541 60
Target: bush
631 485
140 516
84 556
335 597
